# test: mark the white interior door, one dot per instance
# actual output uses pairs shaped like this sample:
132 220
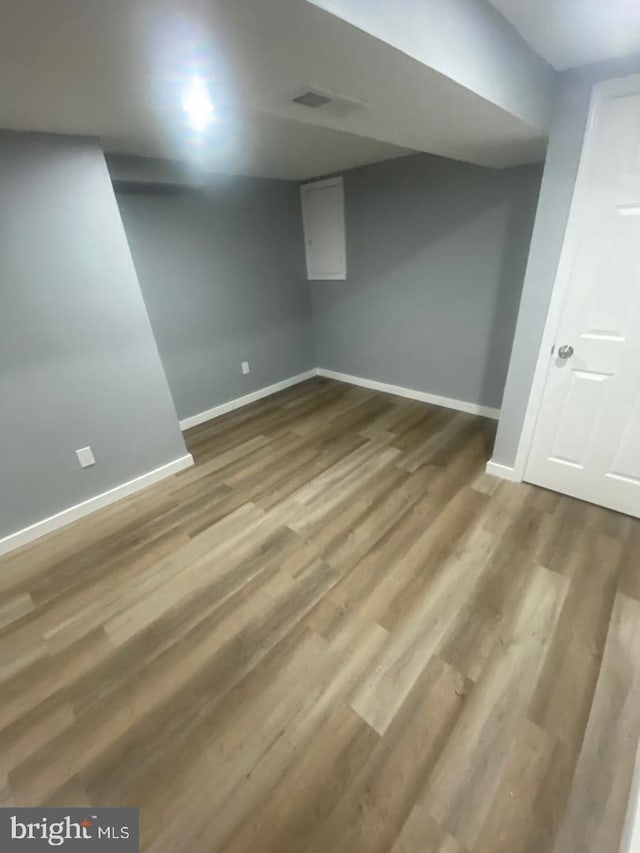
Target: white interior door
323 221
586 440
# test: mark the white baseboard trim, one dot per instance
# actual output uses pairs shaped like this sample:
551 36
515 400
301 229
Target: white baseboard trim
422 396
73 513
223 408
502 471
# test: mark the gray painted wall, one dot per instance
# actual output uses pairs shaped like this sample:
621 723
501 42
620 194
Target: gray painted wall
563 156
222 272
78 361
436 252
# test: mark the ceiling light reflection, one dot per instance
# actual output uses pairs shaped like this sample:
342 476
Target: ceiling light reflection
197 104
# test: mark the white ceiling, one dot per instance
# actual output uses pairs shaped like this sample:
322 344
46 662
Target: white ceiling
116 69
569 33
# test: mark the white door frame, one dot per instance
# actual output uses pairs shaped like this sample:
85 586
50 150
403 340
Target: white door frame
560 288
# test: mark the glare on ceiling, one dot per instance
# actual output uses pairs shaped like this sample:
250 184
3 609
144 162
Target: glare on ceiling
197 104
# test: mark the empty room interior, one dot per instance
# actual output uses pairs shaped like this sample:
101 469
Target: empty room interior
320 426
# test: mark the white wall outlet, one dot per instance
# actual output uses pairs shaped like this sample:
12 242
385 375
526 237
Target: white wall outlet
85 457
245 367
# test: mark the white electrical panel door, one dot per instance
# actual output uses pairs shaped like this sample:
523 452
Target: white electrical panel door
323 221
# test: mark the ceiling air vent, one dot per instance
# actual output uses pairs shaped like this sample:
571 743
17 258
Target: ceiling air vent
332 103
312 99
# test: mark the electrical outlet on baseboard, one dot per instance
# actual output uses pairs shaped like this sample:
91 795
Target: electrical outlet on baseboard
85 457
245 367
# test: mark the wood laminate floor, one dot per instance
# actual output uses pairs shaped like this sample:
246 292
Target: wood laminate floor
334 633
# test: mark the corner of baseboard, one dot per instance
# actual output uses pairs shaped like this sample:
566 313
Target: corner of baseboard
412 394
183 462
245 400
502 471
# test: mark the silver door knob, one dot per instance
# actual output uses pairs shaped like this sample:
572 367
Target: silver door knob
565 351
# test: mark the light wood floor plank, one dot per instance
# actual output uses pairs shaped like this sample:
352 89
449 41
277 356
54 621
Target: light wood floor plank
464 783
595 811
